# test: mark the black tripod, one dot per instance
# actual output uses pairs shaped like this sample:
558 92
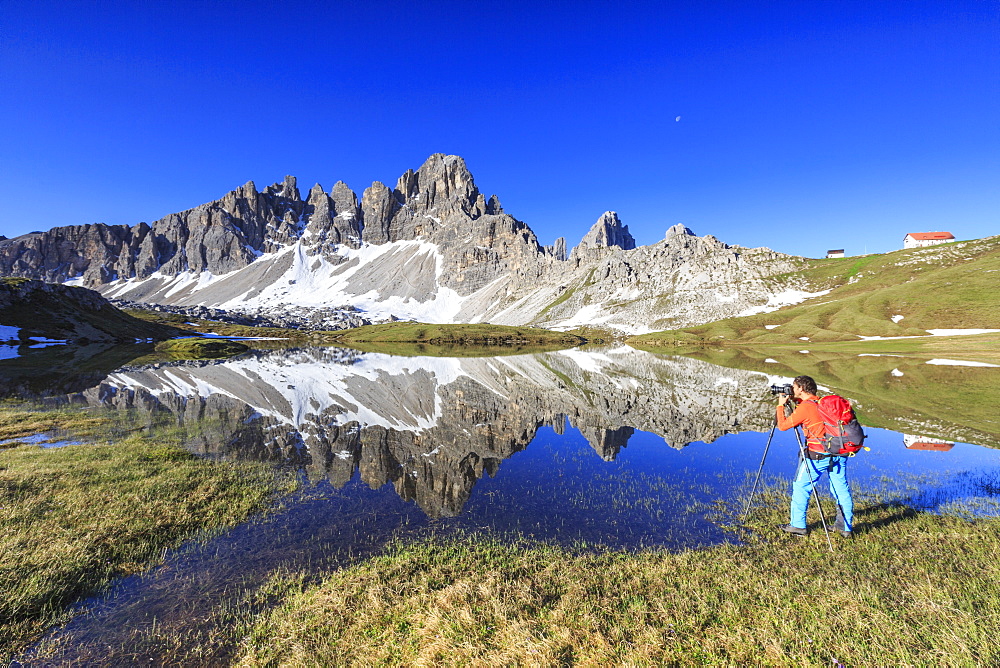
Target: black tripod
803 457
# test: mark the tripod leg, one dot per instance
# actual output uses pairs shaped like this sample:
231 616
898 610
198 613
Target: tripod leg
814 493
753 490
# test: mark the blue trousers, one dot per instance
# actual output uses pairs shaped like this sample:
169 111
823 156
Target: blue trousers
808 475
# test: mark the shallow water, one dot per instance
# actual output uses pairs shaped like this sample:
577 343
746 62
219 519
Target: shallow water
613 449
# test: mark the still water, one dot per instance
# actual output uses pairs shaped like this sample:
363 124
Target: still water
609 449
616 447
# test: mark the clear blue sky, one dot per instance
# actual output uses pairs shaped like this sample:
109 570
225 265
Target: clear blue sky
803 125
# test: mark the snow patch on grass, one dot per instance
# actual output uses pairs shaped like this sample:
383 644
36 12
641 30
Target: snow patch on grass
960 332
786 298
946 362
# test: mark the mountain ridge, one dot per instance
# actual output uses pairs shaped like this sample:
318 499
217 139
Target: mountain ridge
431 248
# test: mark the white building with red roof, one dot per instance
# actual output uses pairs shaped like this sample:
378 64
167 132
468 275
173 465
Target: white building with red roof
919 239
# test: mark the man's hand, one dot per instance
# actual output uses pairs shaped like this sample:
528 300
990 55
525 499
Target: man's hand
783 399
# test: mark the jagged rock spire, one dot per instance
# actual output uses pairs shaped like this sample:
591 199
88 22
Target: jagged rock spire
608 231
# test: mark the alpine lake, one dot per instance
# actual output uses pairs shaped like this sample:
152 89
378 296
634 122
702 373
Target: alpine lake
595 448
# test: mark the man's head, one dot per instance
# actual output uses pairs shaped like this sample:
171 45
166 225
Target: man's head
804 385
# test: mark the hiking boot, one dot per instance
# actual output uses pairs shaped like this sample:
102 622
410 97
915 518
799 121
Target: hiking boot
846 533
788 528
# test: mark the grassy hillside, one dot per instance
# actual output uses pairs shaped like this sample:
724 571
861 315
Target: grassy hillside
950 286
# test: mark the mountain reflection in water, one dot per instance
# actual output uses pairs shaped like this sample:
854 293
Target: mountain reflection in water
433 426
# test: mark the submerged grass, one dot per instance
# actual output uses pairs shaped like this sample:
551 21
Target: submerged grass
72 519
911 588
411 349
468 334
201 348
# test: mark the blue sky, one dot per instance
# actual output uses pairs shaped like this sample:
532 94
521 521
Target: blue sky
803 125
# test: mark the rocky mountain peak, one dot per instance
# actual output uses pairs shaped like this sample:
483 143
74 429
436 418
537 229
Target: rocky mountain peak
478 264
334 219
442 183
493 206
679 230
286 189
247 190
608 231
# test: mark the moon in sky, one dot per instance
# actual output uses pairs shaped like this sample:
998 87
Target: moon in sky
678 118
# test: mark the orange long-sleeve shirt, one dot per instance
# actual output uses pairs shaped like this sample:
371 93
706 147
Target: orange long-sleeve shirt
807 415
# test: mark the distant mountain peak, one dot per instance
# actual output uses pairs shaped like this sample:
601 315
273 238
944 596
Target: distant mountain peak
608 231
679 230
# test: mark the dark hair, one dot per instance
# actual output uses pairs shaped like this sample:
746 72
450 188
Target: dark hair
806 384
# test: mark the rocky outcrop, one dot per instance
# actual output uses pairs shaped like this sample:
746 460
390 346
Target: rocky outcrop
334 220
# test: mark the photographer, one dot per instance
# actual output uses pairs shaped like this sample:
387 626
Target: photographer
814 461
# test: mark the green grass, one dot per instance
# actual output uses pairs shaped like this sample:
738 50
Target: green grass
472 334
13 281
409 349
910 589
74 518
951 286
201 348
199 325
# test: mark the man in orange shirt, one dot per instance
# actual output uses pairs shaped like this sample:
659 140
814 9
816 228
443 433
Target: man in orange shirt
816 461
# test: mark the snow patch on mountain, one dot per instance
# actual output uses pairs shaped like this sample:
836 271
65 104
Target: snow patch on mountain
403 277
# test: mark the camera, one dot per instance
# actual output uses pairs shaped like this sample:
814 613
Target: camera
782 389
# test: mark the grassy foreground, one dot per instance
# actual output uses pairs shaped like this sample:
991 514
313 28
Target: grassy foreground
911 588
74 518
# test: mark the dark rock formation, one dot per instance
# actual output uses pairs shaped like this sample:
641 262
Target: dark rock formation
64 313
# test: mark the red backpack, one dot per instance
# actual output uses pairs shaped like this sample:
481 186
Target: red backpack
843 434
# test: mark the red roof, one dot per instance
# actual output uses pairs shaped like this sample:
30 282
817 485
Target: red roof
940 447
925 236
